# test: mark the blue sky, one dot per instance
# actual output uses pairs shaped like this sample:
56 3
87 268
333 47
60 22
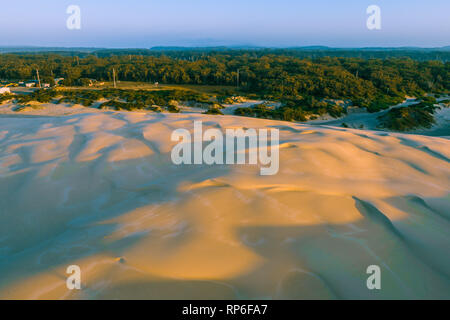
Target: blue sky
146 23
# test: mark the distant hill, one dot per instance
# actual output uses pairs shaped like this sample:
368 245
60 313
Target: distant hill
417 53
303 48
8 49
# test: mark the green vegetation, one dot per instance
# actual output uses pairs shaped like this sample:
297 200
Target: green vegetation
371 83
292 110
43 96
194 53
304 84
27 107
173 108
263 111
428 100
409 118
213 111
157 97
118 99
125 106
6 97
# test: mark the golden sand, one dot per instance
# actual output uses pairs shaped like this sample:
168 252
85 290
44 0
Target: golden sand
99 190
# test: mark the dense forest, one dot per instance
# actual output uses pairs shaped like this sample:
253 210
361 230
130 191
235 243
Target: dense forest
190 53
301 84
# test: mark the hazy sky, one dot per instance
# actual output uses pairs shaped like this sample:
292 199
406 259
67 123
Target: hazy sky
146 23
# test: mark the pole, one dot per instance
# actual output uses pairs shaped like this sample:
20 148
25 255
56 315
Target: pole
39 80
114 77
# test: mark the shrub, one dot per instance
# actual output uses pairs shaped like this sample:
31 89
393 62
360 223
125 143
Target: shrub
173 109
213 111
408 118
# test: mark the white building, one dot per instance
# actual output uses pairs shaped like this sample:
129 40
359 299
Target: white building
5 90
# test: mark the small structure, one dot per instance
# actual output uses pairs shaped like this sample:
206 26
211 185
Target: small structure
31 83
5 90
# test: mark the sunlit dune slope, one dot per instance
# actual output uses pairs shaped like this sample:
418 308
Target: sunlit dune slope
100 191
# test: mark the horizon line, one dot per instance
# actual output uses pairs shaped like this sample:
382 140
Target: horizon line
224 46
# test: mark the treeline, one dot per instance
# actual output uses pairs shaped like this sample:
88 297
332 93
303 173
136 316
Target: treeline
192 53
371 83
422 54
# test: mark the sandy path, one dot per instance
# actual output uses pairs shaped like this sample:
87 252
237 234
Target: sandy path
99 190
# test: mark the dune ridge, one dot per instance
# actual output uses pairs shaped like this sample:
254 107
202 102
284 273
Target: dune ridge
99 190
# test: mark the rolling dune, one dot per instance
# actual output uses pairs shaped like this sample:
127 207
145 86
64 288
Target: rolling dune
99 190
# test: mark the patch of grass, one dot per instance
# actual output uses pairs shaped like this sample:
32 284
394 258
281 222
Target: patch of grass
122 106
173 109
119 99
213 111
408 118
263 111
6 97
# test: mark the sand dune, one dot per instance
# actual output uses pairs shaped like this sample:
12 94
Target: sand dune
98 190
